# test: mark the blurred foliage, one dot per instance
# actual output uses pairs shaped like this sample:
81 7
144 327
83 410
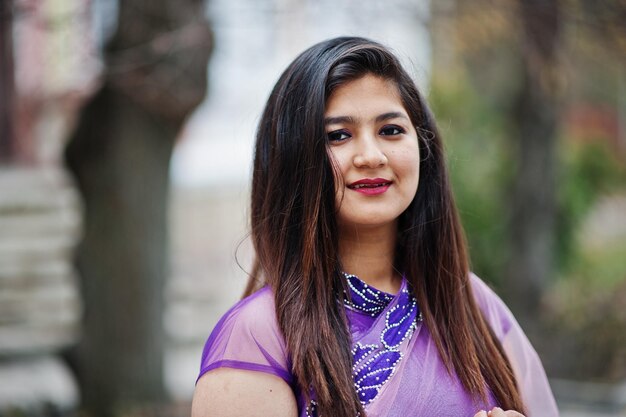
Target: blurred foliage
477 47
475 143
588 171
587 319
586 305
586 308
474 132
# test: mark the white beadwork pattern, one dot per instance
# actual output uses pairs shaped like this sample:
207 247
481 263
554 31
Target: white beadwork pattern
375 364
365 298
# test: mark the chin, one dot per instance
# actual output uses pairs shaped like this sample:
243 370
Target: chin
368 222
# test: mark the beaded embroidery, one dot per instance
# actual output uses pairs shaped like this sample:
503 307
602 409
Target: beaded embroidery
400 322
365 298
370 376
311 409
375 364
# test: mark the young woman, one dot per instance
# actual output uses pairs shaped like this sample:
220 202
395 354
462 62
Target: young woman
361 301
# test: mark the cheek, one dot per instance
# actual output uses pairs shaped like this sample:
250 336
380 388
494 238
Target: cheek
408 165
413 174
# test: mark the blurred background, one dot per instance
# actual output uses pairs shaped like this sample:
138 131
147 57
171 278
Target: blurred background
126 133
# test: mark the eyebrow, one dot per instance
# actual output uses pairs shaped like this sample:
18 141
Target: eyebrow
352 120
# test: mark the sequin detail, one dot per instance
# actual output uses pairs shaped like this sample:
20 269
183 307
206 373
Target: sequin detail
361 351
400 322
375 364
370 376
311 409
365 298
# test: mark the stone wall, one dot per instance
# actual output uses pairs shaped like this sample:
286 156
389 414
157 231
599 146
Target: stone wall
210 255
39 300
40 305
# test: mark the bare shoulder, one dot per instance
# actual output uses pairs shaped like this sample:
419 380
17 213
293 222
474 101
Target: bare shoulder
228 392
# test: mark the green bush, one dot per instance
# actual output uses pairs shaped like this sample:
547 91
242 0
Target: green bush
475 143
586 304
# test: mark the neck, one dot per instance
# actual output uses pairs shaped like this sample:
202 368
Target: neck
368 253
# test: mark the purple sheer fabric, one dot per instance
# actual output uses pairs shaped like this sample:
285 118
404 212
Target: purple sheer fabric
397 369
247 337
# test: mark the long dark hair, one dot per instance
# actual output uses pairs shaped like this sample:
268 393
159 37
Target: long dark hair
295 234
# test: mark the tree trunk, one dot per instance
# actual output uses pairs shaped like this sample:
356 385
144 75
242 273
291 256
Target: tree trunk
7 85
155 75
534 132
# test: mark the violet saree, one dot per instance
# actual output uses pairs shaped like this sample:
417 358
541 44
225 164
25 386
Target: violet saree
397 369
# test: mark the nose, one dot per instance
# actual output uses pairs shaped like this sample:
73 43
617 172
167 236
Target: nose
369 154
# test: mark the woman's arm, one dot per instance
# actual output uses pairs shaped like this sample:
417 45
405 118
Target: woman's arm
228 392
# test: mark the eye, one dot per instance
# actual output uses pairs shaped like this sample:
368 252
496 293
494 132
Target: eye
391 130
338 136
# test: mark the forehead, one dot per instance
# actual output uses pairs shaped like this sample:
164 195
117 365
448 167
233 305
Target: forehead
369 93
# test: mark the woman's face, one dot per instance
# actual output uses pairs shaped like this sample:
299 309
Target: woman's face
374 146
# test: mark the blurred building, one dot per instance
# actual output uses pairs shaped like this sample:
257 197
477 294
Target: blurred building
48 68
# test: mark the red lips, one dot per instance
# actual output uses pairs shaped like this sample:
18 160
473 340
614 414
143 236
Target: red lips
370 186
